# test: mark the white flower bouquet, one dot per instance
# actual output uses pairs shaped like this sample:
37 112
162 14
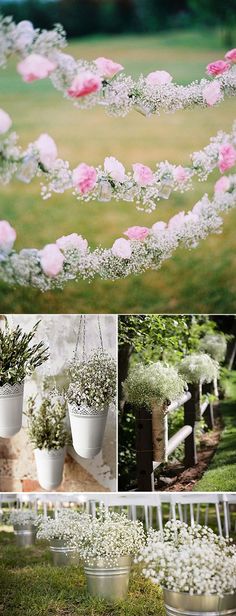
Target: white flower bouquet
23 517
156 382
93 381
63 527
190 560
215 345
198 367
108 536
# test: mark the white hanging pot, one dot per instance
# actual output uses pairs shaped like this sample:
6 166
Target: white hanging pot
49 464
87 429
11 408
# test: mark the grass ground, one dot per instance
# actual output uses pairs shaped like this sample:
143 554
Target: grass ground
199 281
221 475
31 586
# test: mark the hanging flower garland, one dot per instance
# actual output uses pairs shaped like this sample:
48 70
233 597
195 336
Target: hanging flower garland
142 186
98 83
70 258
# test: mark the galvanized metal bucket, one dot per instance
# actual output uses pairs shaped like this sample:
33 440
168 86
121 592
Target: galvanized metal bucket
183 604
25 535
62 554
108 581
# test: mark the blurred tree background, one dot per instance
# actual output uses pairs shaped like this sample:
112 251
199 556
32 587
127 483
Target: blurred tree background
90 17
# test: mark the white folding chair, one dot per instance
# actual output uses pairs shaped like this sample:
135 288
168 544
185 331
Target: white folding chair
228 499
193 501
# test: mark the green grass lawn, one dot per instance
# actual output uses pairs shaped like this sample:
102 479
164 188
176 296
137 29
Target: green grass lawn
221 475
31 586
199 281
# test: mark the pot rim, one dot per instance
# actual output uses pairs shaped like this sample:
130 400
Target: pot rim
187 594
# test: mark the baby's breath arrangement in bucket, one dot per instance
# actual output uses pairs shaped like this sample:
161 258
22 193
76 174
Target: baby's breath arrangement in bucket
92 389
214 345
49 436
18 359
198 368
24 522
195 567
153 386
59 531
107 544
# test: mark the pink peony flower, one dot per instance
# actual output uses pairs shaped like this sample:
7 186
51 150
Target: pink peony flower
121 248
227 157
159 227
222 185
115 169
175 223
47 150
84 178
159 78
107 68
180 174
7 236
51 259
137 233
5 122
231 55
212 93
142 175
35 67
73 240
217 68
84 83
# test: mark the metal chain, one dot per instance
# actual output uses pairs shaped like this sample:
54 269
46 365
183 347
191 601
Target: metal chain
100 333
78 337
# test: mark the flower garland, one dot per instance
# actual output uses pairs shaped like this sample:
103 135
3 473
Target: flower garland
143 186
90 83
70 258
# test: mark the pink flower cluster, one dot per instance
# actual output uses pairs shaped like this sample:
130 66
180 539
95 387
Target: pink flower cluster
214 69
52 257
7 236
35 67
84 178
87 82
227 157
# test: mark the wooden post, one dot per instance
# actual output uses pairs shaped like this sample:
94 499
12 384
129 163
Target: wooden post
191 416
144 451
159 432
207 388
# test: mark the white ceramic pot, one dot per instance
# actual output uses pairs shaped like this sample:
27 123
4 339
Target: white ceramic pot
11 408
49 464
87 428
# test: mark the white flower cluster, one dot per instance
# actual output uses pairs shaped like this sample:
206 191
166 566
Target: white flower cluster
185 230
63 527
156 382
93 381
24 39
22 517
112 180
120 94
198 367
108 536
190 560
215 345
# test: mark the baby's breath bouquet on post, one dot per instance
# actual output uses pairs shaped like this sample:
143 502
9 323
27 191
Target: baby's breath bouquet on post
153 386
107 544
48 433
198 368
92 389
195 567
18 359
214 345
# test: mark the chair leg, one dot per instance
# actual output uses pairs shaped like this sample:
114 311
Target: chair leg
218 519
226 519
